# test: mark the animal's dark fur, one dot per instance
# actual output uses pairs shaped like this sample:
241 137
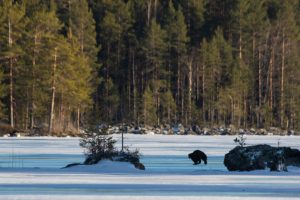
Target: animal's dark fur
197 156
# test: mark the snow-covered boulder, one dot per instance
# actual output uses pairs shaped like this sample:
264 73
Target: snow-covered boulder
261 157
104 166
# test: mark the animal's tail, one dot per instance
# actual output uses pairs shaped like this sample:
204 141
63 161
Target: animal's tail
205 161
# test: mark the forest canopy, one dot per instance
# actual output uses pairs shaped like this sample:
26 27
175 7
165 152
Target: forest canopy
65 63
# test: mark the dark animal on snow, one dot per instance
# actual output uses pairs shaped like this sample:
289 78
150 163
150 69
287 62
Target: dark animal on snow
197 156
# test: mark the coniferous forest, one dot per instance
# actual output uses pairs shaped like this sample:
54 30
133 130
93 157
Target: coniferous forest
65 63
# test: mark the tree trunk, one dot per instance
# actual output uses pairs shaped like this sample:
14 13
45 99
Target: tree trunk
231 110
81 39
169 88
33 84
282 82
271 66
149 5
11 100
183 115
62 112
106 89
27 110
253 48
69 19
245 110
78 119
32 107
134 86
190 77
259 88
197 83
53 93
240 45
178 89
155 9
129 85
203 93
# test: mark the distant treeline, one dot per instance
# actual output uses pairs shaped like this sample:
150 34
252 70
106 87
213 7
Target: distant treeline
65 63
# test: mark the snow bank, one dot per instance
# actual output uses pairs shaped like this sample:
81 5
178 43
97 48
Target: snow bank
105 166
169 175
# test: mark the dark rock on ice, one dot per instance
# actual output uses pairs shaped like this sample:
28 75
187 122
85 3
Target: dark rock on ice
261 157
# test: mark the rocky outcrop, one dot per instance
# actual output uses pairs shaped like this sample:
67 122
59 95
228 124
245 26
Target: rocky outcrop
261 157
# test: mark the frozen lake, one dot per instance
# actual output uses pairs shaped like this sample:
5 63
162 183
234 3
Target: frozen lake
30 169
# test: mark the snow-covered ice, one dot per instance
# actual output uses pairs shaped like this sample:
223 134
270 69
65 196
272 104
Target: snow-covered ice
30 168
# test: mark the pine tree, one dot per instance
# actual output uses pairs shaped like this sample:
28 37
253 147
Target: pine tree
204 49
115 22
2 94
149 107
238 91
194 18
81 33
239 22
11 29
42 32
155 52
82 27
216 72
168 108
210 62
256 27
177 41
290 33
288 70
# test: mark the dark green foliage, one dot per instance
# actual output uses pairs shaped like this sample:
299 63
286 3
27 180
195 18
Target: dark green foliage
98 145
128 155
155 62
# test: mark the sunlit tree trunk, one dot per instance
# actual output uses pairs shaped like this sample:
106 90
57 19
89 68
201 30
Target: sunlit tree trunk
271 68
203 93
259 88
51 118
11 100
78 119
149 6
190 77
33 83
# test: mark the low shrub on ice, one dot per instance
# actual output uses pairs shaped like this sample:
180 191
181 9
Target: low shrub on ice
100 145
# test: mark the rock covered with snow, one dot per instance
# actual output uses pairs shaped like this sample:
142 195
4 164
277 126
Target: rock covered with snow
104 166
132 158
261 157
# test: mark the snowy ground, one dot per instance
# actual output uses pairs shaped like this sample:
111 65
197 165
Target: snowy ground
30 169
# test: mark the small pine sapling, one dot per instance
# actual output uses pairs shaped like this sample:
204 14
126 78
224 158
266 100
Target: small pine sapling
98 145
240 140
